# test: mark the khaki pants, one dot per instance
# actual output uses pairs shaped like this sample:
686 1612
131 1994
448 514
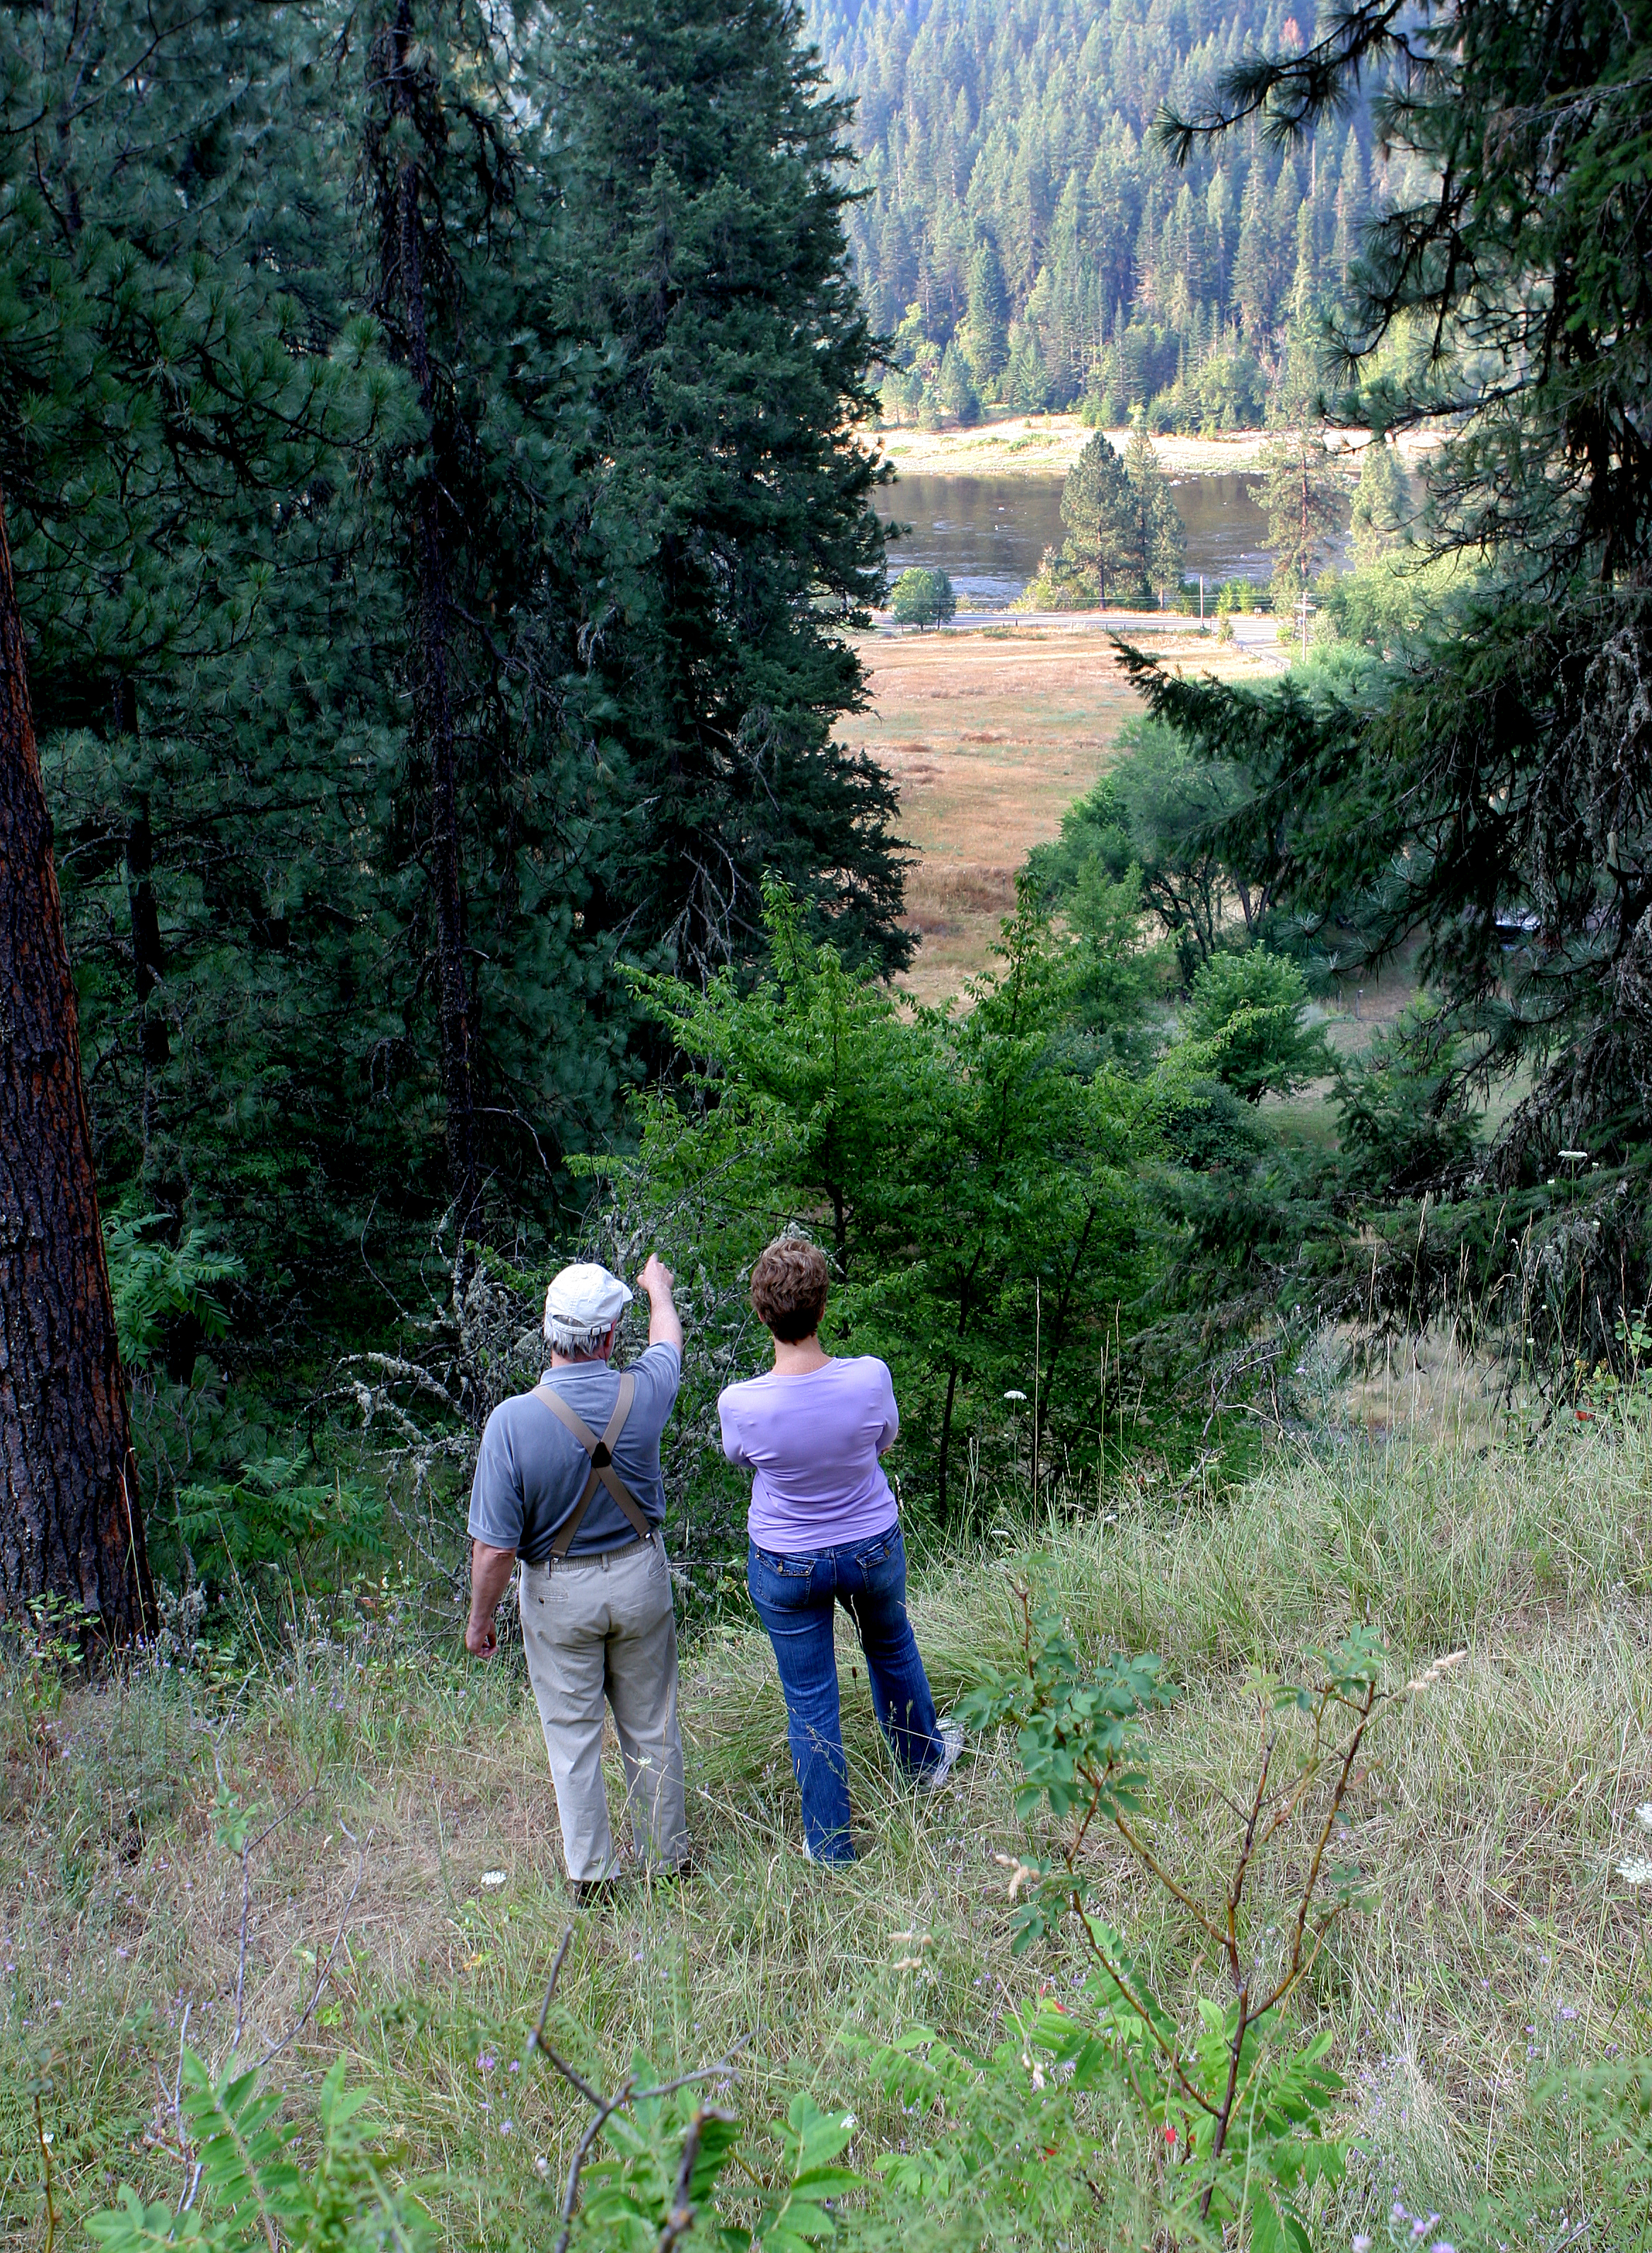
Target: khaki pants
598 1628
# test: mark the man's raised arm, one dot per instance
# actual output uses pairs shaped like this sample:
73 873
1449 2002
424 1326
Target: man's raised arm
664 1325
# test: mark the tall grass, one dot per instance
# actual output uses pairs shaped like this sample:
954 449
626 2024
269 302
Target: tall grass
1495 1935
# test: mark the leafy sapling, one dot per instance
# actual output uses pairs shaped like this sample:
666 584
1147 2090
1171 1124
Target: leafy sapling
1240 2119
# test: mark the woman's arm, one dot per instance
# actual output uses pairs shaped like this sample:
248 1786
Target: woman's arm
731 1442
891 1431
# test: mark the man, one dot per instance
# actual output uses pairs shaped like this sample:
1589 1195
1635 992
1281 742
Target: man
569 1479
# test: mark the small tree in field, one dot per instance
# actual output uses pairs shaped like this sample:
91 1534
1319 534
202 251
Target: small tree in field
1099 508
1302 496
922 597
1251 1007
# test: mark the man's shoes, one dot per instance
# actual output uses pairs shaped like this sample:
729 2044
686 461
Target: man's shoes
588 1891
952 1736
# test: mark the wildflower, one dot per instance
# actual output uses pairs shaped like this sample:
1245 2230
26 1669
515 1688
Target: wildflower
492 1878
1636 1871
1361 2245
485 2061
542 2165
1431 1674
1169 2131
1643 1816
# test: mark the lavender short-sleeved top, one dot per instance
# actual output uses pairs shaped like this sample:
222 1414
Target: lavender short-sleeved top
814 1443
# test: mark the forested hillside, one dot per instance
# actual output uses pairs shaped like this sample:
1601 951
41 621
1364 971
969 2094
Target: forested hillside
425 605
1026 241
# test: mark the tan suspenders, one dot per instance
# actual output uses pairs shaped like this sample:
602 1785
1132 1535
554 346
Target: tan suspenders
602 1459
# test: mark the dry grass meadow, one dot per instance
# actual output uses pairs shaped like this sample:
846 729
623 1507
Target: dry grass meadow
989 735
1494 1938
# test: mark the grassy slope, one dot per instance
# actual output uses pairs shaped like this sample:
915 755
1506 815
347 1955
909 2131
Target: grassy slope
1488 1820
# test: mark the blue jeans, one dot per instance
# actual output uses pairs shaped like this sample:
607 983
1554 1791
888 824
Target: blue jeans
796 1599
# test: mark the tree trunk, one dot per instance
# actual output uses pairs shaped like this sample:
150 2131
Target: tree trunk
434 699
946 1439
149 964
70 1525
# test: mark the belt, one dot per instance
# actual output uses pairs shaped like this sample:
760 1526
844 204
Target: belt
601 1557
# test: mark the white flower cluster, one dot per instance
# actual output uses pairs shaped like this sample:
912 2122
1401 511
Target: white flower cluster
1636 1869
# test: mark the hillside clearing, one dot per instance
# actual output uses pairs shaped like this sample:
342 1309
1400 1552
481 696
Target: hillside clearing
1493 1937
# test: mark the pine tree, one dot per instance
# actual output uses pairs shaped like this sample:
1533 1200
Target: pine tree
706 202
1302 497
406 146
1350 203
182 393
985 339
1159 537
1251 292
71 1525
1505 761
1099 508
1383 505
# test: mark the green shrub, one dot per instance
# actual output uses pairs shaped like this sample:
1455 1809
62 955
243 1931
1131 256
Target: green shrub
1249 1009
922 597
1405 1113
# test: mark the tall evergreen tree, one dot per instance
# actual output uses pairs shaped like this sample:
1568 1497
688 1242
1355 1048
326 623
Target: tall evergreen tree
1099 508
179 391
985 330
1383 505
1302 497
1505 770
71 1521
406 146
707 198
1160 537
1251 294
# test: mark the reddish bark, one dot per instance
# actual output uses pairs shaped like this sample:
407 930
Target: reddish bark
70 1525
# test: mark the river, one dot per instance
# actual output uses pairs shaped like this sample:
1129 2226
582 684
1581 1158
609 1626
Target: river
988 533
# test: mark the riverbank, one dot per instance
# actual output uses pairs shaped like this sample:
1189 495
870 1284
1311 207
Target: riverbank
1048 445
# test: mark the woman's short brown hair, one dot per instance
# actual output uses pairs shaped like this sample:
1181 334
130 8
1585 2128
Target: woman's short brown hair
789 1287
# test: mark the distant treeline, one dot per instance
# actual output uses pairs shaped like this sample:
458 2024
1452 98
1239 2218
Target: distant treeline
1026 242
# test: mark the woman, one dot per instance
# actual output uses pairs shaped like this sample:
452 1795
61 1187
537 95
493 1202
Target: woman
823 1531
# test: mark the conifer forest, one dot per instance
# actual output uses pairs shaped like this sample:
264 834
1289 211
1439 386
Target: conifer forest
451 568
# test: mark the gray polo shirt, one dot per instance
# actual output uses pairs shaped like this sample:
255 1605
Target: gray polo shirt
532 1470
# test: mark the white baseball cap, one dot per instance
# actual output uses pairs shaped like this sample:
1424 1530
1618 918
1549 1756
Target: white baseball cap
585 1297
